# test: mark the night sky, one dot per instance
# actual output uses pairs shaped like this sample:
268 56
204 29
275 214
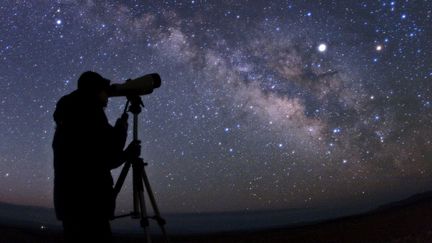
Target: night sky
263 104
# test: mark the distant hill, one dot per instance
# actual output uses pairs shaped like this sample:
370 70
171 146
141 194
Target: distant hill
408 220
185 223
415 199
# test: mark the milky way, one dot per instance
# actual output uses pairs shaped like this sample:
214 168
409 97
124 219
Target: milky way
263 105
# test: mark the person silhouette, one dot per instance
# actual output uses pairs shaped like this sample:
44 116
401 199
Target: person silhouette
86 148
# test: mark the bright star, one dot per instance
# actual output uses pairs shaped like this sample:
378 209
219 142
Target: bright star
379 47
322 47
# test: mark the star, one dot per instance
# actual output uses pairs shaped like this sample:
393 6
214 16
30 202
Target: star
322 47
379 47
336 130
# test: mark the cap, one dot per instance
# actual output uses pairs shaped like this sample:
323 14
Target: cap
92 81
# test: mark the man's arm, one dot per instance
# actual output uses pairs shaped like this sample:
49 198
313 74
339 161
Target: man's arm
117 141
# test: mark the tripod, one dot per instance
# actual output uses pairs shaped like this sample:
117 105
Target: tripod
139 176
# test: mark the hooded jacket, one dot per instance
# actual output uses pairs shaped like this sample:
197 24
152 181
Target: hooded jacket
86 147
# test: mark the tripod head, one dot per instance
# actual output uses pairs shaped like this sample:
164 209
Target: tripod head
136 104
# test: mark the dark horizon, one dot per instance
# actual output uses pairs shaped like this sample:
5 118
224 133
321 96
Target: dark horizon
270 225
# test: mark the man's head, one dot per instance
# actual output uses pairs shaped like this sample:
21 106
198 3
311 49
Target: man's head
93 84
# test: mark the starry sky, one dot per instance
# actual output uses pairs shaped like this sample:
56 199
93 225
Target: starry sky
264 105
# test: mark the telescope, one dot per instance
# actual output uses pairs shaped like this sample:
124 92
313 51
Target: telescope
136 87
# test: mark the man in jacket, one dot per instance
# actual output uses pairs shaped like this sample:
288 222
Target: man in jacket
86 148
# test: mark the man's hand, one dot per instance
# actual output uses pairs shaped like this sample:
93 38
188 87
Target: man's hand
133 150
122 122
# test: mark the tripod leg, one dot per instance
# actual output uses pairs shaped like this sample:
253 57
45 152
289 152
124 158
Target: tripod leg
144 222
136 196
161 222
121 178
140 210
